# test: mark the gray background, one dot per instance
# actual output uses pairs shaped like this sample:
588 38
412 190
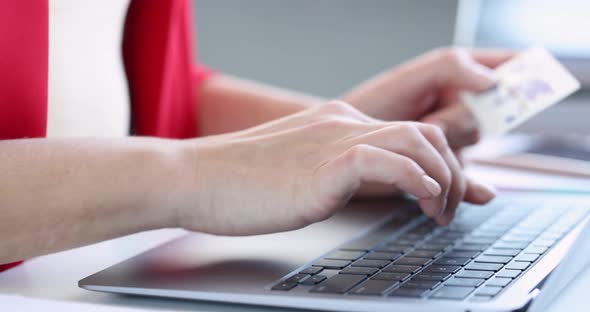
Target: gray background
325 47
322 47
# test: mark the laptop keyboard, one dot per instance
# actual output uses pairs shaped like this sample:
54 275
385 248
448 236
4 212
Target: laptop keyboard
476 257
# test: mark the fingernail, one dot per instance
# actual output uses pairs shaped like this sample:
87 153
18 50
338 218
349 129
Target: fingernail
431 185
486 191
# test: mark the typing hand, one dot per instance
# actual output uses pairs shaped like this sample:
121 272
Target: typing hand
301 169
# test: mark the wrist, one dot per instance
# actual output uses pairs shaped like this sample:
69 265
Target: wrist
167 185
187 193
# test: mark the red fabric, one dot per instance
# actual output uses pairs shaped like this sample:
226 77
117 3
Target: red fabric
23 68
158 56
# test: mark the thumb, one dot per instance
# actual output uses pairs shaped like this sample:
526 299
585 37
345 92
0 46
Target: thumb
457 68
479 78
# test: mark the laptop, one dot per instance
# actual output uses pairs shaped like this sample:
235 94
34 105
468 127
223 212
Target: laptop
381 255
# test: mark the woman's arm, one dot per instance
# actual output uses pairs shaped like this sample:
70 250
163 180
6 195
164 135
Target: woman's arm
283 175
62 193
228 104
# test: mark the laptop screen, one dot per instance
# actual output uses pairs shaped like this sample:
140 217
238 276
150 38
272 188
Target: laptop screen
561 26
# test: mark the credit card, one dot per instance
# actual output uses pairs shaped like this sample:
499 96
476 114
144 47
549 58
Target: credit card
527 84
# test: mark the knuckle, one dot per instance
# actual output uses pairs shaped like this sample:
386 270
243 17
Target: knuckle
410 130
412 136
437 136
327 123
337 107
333 123
357 155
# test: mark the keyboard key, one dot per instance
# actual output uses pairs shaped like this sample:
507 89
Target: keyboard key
480 240
373 287
406 243
483 266
489 291
433 247
493 259
452 292
362 244
413 236
371 263
475 274
535 250
409 292
502 252
462 254
543 243
471 247
468 282
359 271
332 264
517 265
499 281
527 257
421 284
297 278
508 273
345 255
452 261
338 284
442 241
426 276
430 254
311 270
412 261
402 268
519 238
284 286
383 256
395 249
313 280
510 245
442 269
391 276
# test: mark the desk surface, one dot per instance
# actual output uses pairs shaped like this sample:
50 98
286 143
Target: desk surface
56 276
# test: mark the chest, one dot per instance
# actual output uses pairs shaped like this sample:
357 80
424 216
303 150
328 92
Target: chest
87 90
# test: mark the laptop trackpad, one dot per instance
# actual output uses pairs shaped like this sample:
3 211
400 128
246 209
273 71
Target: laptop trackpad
218 263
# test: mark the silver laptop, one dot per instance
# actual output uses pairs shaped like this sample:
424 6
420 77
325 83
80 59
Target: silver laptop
374 255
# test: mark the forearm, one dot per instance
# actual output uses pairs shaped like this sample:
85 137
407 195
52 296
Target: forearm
62 193
229 104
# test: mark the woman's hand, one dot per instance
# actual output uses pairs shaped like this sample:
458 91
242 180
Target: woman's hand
300 169
427 88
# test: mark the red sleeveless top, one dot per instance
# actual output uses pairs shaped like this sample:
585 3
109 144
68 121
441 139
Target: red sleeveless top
158 55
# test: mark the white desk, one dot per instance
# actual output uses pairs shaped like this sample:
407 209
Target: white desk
56 276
